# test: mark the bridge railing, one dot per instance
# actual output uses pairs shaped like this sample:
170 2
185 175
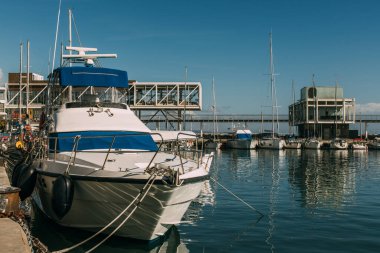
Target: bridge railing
246 118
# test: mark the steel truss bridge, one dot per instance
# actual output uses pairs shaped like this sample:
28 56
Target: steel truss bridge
237 118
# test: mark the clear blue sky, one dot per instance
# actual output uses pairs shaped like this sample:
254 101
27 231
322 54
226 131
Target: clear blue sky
337 40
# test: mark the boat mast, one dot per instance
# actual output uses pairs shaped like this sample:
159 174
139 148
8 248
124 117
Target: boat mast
27 76
56 35
336 111
271 79
20 88
214 107
315 107
294 100
70 51
185 101
273 88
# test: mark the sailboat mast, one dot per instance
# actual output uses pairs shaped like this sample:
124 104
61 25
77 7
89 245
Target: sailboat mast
70 51
271 79
185 101
27 77
294 100
315 107
214 107
56 35
20 88
336 111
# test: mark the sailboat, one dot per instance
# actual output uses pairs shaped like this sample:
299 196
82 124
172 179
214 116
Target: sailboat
313 143
293 143
359 143
214 143
272 141
337 143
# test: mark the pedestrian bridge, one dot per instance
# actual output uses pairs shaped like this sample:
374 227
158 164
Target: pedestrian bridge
243 118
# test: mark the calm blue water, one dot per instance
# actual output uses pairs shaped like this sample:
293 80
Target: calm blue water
312 201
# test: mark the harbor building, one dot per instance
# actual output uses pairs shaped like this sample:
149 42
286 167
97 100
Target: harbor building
32 96
3 114
322 112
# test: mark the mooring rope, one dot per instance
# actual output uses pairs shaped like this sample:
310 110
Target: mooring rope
233 194
150 182
125 220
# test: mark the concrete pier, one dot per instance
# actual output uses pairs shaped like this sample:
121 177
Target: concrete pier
12 236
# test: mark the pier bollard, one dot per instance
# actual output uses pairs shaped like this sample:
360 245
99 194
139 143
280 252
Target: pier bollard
9 200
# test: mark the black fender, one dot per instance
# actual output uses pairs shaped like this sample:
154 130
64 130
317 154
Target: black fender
16 172
62 195
27 180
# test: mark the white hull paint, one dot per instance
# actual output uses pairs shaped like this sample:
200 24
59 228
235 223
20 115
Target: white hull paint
312 144
359 146
274 143
293 145
375 144
99 199
95 204
338 144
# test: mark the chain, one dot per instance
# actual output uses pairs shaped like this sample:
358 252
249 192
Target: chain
35 245
158 171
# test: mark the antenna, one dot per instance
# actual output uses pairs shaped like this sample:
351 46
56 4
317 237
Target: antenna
81 56
82 50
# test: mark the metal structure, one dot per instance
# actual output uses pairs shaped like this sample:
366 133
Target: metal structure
160 98
249 118
3 101
165 96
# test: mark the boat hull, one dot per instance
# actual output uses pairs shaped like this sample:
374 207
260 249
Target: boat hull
293 145
312 145
238 144
338 146
276 144
212 145
356 146
374 146
98 201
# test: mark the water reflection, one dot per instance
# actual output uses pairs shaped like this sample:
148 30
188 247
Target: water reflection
56 237
273 195
324 178
206 197
237 162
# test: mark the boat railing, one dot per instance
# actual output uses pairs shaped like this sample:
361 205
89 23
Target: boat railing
186 150
51 145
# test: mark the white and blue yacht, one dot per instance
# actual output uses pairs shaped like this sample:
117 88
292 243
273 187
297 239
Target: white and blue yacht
99 167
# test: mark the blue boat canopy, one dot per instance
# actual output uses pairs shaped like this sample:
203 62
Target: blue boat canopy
92 76
90 140
244 136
